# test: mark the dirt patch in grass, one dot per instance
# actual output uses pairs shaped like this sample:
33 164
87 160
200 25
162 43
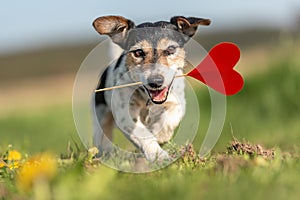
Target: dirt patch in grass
238 155
238 147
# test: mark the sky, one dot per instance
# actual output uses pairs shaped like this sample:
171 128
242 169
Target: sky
32 24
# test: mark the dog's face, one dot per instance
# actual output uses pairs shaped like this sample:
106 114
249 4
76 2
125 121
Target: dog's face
154 51
155 55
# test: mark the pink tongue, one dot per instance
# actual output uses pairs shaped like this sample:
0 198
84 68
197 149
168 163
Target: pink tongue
159 94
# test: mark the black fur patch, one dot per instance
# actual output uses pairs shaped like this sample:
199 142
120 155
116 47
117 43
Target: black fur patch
153 33
99 97
119 62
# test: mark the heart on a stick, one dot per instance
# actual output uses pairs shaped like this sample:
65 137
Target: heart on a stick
217 69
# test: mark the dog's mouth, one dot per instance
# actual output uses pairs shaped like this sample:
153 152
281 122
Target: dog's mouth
157 88
158 96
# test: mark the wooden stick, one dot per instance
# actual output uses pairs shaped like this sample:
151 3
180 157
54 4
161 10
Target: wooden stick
119 86
129 84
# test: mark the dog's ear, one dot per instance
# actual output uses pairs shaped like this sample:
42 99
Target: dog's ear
189 25
115 27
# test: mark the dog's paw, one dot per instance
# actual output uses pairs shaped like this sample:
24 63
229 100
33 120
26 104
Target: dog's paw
163 156
159 156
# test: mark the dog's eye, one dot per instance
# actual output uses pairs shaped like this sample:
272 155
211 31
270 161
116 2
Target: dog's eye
170 50
138 53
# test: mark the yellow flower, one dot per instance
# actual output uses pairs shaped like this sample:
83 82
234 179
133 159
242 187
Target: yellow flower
41 167
14 159
2 163
14 155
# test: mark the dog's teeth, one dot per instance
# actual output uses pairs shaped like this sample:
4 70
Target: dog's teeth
159 95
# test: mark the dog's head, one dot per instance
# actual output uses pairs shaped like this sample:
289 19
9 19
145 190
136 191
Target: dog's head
155 50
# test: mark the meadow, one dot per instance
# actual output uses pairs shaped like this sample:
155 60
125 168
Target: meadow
43 158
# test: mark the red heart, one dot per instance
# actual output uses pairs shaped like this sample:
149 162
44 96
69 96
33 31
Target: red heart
216 69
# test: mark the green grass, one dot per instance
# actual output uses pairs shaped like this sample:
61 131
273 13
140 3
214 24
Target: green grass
229 176
50 128
267 112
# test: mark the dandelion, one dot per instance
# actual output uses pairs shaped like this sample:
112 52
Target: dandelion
14 155
2 163
14 159
37 169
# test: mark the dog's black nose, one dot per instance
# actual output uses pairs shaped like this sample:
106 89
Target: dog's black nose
156 81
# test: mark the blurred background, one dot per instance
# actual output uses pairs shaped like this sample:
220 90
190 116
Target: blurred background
42 44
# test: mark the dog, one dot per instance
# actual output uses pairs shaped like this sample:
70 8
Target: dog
154 54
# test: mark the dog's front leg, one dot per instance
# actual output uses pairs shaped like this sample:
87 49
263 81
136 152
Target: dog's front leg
140 136
128 119
146 141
